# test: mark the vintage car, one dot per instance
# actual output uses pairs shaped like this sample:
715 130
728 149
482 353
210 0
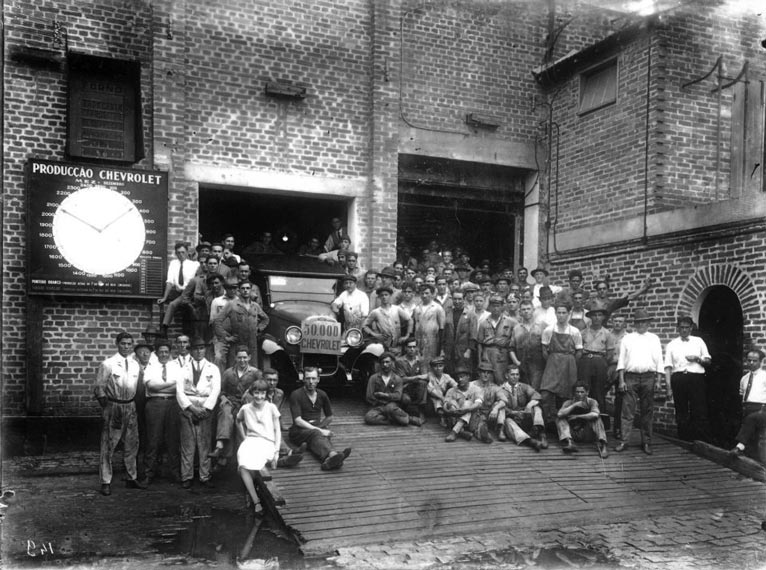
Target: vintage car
303 330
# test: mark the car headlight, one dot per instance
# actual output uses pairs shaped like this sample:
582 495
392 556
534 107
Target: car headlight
354 337
293 335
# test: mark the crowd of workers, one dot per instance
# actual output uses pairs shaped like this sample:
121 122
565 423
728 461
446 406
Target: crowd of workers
492 355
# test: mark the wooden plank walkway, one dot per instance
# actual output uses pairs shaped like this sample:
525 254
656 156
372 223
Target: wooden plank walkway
406 482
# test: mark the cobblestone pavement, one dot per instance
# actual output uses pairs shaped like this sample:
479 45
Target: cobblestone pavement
698 540
58 518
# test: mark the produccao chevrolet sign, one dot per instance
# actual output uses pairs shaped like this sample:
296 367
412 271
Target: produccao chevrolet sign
321 335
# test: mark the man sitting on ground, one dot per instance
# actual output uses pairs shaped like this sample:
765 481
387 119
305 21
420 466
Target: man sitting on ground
581 415
460 402
521 410
307 405
384 394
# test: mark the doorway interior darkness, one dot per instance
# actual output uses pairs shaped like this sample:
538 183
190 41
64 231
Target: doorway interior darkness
721 327
246 214
477 206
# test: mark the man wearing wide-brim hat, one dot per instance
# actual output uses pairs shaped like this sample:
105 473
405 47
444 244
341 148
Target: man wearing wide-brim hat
387 276
640 368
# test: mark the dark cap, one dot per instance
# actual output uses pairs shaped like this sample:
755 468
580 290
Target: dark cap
486 366
437 360
641 315
545 292
596 310
152 329
349 277
197 341
539 270
685 320
462 370
388 271
496 300
142 343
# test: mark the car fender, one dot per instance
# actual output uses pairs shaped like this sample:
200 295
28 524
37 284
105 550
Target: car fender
375 349
270 346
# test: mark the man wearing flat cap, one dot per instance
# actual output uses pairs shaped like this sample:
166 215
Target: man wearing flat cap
640 368
494 338
198 386
686 357
352 304
384 324
387 276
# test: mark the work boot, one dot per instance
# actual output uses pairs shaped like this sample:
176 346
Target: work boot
569 447
466 435
106 489
483 434
533 443
451 436
603 453
416 421
135 484
501 435
542 438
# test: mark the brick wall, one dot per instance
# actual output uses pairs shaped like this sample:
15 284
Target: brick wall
602 168
672 268
35 127
461 57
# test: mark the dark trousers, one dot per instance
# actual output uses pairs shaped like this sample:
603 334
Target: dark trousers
318 444
690 401
639 395
591 370
753 422
162 433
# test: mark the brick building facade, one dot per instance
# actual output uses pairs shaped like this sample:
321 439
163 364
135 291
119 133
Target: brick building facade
412 111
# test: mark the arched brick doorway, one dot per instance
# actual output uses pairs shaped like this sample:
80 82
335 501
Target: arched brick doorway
718 297
721 327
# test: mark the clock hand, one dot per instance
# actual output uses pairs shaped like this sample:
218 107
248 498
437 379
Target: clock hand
79 219
117 218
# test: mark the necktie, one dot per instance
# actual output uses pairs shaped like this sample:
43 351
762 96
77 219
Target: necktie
749 386
164 373
196 372
181 273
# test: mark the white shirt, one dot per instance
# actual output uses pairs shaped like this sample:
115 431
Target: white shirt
355 305
207 390
641 353
758 390
217 305
678 349
190 270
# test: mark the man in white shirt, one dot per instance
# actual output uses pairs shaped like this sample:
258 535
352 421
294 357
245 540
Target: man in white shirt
685 359
354 304
752 388
180 271
640 369
115 390
197 389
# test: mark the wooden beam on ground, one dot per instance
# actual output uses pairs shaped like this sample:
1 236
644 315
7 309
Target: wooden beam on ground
744 465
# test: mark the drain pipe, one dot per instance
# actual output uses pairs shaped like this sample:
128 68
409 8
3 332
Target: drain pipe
645 236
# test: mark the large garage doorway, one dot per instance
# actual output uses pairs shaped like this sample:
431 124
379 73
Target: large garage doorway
721 327
477 207
292 220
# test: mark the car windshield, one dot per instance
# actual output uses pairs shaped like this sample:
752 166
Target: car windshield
284 288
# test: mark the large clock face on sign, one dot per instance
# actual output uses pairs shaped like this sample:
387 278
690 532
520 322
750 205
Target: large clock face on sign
99 231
